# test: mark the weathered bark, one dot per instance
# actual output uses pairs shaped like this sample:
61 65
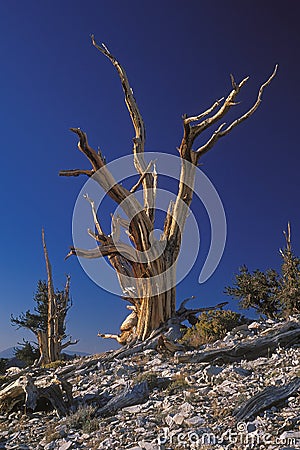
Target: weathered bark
154 305
270 396
259 347
43 347
130 396
52 332
28 394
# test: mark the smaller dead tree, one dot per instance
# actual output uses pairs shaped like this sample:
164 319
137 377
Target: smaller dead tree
48 322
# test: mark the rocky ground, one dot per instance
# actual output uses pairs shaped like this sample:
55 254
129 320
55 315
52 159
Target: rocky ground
189 406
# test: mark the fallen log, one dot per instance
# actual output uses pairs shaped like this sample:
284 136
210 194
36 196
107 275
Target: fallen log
30 395
270 396
130 396
248 350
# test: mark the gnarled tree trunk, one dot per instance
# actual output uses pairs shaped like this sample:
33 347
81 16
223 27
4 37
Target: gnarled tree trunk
50 341
153 296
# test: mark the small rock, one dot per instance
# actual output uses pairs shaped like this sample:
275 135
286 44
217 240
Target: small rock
239 328
242 372
155 362
178 419
85 436
254 326
65 445
50 446
186 408
227 386
290 435
149 351
169 420
4 434
135 448
62 430
212 371
195 421
13 370
133 409
148 445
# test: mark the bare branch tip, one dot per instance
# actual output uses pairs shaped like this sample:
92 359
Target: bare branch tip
243 81
274 71
71 253
76 130
234 85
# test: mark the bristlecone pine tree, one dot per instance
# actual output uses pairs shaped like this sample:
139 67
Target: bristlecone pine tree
258 290
270 293
27 352
48 323
289 293
151 307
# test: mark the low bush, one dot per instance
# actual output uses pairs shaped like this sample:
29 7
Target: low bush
83 419
211 326
55 364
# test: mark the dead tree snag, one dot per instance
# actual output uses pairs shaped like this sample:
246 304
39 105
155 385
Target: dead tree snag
152 307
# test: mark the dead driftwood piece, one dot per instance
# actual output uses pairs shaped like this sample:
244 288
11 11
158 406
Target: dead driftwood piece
33 395
130 396
249 350
270 396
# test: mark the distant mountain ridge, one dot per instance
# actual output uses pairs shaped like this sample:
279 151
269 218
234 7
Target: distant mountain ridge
9 353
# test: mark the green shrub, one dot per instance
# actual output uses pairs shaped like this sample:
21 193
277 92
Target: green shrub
55 364
150 377
270 293
257 290
3 379
83 419
177 384
27 353
211 326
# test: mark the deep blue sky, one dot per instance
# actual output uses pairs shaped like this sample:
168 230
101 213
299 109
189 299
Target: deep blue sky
178 56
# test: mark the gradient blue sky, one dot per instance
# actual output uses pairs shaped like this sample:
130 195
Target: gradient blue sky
178 56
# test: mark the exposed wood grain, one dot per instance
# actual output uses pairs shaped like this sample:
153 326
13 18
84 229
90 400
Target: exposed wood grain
270 396
130 396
